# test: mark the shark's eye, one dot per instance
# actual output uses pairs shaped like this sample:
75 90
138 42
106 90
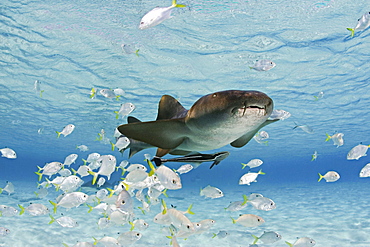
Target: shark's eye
123 202
142 23
214 95
173 181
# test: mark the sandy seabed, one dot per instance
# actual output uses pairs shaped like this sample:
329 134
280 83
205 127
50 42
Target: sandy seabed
333 214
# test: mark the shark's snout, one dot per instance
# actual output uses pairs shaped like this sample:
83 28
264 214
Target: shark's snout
260 101
256 102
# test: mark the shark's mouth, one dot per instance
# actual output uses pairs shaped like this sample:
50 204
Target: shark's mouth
261 109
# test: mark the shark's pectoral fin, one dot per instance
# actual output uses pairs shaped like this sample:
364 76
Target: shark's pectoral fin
165 134
267 122
238 143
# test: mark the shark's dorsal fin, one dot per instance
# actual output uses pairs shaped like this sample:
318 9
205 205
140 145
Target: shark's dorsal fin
165 134
169 108
132 120
240 142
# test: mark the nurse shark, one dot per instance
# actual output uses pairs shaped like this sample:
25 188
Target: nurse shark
215 120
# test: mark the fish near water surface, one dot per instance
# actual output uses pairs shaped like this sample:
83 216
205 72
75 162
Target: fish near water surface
362 23
215 120
158 15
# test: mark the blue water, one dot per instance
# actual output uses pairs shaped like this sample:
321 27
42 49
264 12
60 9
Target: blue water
72 46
